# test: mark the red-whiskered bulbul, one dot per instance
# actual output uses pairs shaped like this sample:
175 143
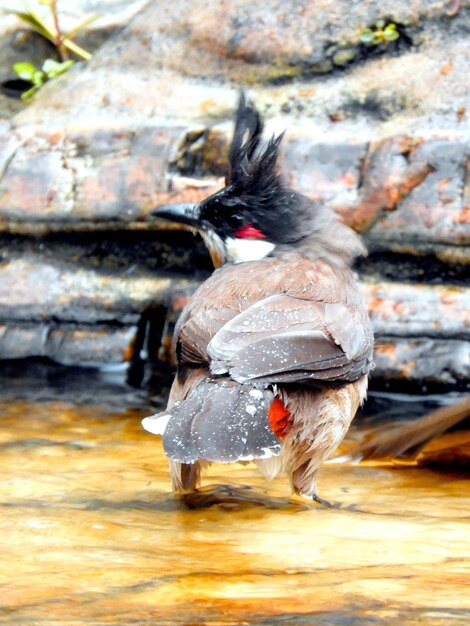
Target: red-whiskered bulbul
274 349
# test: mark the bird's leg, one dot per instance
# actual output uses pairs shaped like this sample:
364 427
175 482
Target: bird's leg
184 476
304 484
315 498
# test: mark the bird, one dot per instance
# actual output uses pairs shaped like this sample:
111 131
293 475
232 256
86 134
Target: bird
274 349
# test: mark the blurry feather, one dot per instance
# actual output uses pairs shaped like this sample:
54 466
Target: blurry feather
397 440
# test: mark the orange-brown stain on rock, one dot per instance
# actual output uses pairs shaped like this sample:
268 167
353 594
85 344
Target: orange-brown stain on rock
56 138
349 179
400 308
207 106
407 369
450 295
446 68
462 217
388 349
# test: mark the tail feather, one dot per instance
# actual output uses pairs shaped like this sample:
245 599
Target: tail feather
218 421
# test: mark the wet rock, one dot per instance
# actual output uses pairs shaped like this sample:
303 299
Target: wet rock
101 175
34 290
405 194
75 165
422 332
201 152
426 207
423 363
411 269
323 170
185 45
68 345
43 380
407 310
90 176
115 252
377 132
388 175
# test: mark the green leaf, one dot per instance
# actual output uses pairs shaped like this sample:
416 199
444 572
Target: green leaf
38 78
24 70
27 95
391 35
53 68
367 36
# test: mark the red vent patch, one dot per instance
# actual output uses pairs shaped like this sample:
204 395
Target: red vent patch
249 232
279 418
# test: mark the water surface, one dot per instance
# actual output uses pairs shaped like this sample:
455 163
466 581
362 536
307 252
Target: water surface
90 533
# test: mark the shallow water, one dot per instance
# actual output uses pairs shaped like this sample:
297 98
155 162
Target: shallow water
90 534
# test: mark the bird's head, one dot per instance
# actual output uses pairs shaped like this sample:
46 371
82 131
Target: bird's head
255 212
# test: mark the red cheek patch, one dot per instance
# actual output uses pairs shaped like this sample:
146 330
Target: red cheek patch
249 232
279 418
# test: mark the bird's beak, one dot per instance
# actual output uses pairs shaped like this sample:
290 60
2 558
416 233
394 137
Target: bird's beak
189 215
184 213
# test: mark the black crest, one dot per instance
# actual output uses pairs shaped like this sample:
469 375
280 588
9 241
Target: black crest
252 165
255 192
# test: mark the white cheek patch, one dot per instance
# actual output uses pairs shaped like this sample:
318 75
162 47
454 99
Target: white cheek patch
239 250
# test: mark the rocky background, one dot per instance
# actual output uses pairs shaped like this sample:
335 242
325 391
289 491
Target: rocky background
377 130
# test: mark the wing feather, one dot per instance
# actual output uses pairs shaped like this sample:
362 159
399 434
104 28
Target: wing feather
314 328
283 338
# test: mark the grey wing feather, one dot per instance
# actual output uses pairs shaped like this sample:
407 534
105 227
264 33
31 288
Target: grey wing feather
287 339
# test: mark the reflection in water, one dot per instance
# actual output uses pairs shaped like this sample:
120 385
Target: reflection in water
91 534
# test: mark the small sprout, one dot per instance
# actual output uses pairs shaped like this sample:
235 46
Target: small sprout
367 36
31 77
24 70
53 68
343 56
390 32
37 77
379 33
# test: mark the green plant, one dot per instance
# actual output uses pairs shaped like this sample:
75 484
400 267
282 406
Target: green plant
37 77
51 30
380 32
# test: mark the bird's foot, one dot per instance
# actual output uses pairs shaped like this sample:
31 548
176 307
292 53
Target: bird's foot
313 497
